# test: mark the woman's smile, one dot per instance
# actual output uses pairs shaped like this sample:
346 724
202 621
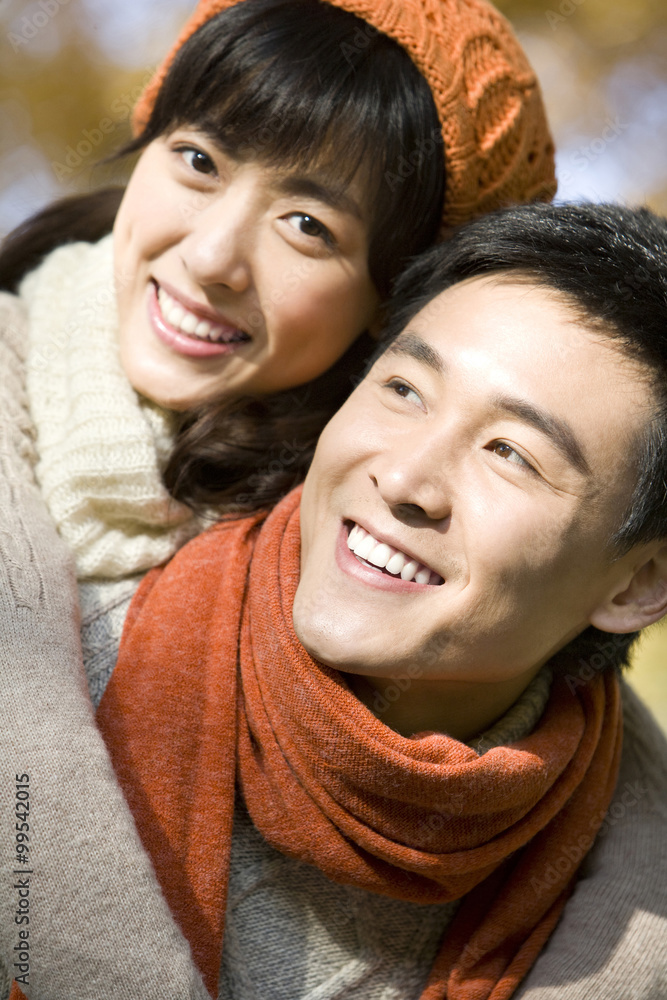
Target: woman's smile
187 332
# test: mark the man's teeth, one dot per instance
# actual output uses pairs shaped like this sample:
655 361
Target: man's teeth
392 560
185 321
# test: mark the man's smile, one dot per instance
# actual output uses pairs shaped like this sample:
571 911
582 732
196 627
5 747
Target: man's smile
368 549
372 559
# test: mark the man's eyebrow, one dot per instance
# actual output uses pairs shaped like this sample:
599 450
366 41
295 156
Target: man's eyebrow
337 198
414 347
559 431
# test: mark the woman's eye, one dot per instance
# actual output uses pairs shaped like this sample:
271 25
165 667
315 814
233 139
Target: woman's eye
197 160
308 225
503 450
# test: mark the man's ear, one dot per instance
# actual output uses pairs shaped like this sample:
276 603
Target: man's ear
640 602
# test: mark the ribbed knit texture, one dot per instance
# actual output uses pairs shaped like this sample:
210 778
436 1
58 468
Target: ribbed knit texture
100 445
343 942
293 935
610 944
498 149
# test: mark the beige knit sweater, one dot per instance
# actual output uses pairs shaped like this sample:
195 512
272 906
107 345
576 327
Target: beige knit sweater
100 446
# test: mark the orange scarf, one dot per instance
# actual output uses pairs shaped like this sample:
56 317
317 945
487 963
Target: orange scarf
212 687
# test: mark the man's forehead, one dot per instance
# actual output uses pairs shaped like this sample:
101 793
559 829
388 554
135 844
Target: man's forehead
532 321
530 351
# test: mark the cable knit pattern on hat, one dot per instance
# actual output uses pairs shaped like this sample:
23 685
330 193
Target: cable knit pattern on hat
100 445
498 149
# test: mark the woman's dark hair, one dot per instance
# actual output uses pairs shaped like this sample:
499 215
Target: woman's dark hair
302 84
610 264
86 217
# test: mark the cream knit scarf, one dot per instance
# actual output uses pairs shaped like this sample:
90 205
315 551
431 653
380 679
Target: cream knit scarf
100 445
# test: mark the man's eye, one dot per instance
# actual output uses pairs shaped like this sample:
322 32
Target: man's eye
404 390
197 160
308 225
503 450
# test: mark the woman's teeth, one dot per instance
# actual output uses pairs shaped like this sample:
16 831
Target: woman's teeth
186 322
393 561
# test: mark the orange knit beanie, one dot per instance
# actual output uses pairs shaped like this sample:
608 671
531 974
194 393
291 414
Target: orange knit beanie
498 150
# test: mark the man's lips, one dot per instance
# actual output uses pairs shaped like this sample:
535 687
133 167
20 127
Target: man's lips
376 562
188 332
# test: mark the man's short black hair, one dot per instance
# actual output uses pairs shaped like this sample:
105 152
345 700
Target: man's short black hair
610 263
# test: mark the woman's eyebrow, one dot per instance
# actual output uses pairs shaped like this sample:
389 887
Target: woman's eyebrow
338 198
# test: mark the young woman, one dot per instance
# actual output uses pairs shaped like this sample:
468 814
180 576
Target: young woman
292 157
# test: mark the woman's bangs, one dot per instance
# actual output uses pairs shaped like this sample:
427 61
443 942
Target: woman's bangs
308 87
261 99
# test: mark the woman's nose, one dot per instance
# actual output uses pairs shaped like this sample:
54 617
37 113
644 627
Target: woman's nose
218 249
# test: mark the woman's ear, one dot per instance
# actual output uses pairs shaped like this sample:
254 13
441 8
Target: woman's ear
639 602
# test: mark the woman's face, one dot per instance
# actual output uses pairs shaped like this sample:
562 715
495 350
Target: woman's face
234 277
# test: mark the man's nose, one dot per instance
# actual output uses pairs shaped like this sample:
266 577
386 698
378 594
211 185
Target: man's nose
218 248
413 478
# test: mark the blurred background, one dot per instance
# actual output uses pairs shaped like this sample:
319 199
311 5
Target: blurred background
70 71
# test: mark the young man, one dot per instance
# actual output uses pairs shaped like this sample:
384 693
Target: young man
409 671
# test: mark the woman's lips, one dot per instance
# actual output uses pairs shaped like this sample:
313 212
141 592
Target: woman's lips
191 344
379 577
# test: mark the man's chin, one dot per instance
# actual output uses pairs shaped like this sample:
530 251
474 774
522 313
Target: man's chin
329 642
319 644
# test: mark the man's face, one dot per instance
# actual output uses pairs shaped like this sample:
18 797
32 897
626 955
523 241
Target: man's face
488 457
